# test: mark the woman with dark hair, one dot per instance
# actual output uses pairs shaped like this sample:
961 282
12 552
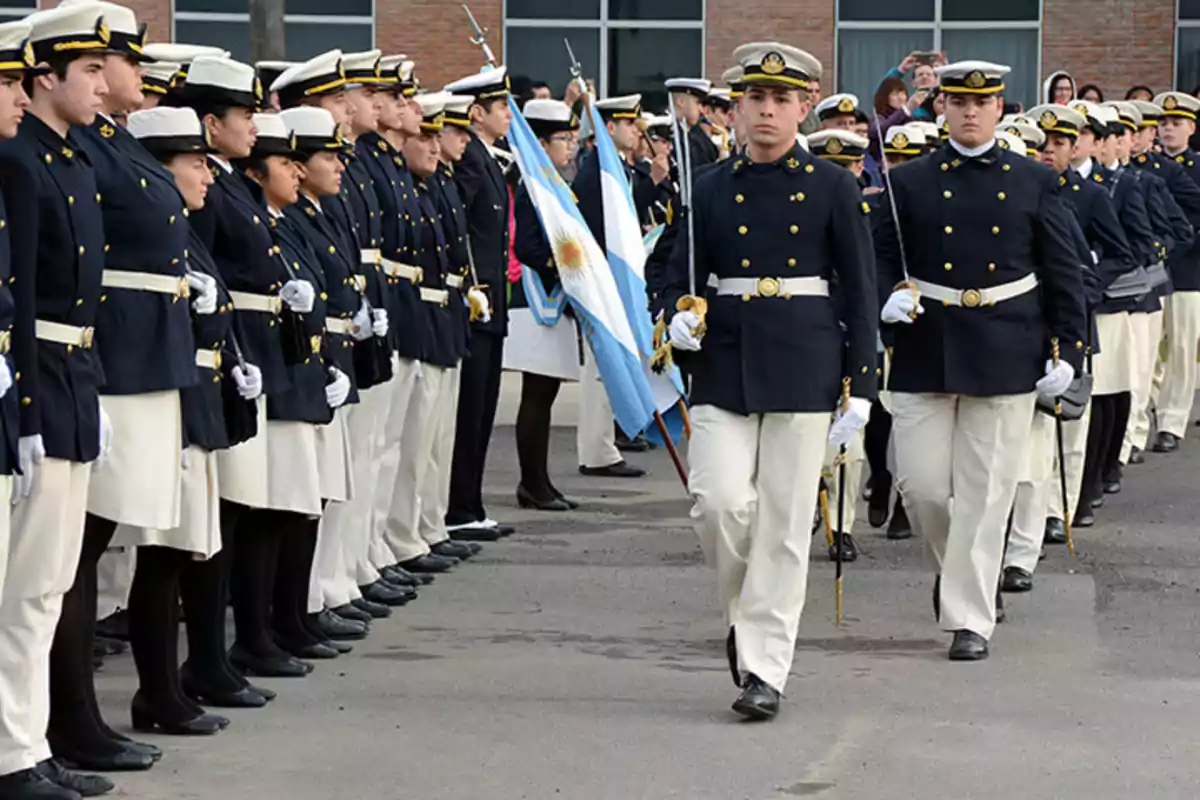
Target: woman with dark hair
893 106
1059 88
1140 92
1090 91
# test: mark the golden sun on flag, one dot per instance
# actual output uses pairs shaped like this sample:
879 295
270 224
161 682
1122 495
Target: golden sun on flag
568 252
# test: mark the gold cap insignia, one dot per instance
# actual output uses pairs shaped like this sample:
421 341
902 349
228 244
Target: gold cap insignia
1014 130
846 106
975 80
102 31
292 141
900 141
1081 108
833 146
1170 104
773 63
28 54
1048 120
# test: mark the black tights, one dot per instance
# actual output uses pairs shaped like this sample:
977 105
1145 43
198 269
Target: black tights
154 631
875 441
289 616
75 721
1110 415
204 589
533 434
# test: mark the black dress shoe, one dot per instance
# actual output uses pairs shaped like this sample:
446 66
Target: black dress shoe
758 701
525 499
140 748
1165 443
384 594
1084 518
121 761
29 784
114 626
451 549
968 646
1112 487
400 577
195 690
732 657
349 612
315 651
428 563
503 530
147 719
571 503
1136 456
617 470
475 533
78 782
1001 614
341 629
109 647
849 549
342 647
1056 533
268 667
269 694
876 516
1098 502
406 592
899 528
638 444
376 610
1016 579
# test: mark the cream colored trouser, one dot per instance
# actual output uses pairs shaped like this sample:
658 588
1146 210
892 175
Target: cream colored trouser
114 577
1038 481
754 482
968 450
1145 354
434 491
1075 448
595 438
403 387
1181 323
856 455
43 554
401 528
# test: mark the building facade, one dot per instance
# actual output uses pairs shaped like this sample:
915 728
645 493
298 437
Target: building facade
633 45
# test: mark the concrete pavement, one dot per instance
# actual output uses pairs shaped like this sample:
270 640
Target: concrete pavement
583 659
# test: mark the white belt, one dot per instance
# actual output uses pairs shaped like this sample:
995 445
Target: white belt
209 359
145 282
454 281
973 298
71 335
372 257
267 303
339 325
439 296
770 287
397 270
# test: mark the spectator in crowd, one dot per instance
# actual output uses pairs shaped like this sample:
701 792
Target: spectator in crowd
1140 93
924 83
1091 91
1059 88
541 90
812 123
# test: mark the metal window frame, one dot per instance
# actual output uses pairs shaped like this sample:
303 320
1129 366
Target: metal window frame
16 11
603 25
244 18
937 25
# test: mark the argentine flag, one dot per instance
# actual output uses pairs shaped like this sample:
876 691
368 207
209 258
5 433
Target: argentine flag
587 280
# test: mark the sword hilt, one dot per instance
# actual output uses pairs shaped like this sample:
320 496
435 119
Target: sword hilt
845 394
1054 356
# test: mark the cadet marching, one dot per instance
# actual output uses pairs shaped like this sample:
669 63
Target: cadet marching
254 323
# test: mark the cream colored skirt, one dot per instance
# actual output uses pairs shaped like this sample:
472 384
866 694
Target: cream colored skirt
138 484
199 529
244 468
1113 366
333 458
293 474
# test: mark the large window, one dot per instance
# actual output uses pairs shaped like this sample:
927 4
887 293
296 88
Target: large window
16 8
626 46
875 35
311 26
1187 50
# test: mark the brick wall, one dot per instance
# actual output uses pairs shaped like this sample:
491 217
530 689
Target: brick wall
1123 43
807 24
155 13
435 34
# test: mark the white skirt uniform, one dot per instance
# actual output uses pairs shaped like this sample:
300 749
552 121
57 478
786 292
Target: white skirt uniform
244 468
293 474
333 458
139 483
1113 367
199 529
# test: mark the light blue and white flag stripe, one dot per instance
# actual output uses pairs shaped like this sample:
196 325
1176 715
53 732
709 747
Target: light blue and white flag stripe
587 280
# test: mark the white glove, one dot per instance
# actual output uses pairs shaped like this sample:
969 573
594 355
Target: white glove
379 322
850 422
481 300
30 452
204 293
361 324
1057 379
900 306
248 381
299 296
337 392
106 435
6 376
683 330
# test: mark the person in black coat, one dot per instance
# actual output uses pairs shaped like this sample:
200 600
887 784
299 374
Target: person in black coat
687 95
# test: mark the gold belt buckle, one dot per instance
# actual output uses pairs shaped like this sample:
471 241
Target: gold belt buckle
86 339
5 342
768 287
315 342
216 358
971 298
184 289
418 275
